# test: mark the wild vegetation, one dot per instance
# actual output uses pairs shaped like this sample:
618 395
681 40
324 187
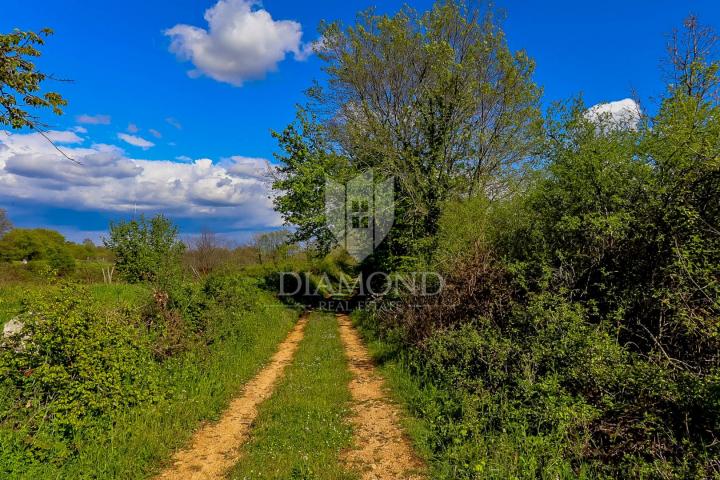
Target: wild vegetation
97 377
577 333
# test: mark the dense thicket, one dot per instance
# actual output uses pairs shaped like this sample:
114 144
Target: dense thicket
579 330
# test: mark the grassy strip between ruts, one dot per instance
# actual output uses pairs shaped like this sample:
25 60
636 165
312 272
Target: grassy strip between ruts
301 429
203 382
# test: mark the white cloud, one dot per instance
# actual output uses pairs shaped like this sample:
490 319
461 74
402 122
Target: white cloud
242 42
622 113
132 128
135 141
93 119
79 129
155 133
247 167
107 180
173 122
183 158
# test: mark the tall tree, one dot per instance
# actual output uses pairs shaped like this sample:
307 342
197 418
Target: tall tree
436 100
694 64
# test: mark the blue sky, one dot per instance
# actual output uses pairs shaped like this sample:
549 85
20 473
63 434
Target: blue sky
193 146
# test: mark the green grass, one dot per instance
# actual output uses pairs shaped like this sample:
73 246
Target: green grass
301 429
198 386
10 297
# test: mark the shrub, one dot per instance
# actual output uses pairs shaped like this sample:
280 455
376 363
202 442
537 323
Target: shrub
60 260
74 362
145 250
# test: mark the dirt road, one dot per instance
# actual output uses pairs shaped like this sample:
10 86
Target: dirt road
382 450
215 448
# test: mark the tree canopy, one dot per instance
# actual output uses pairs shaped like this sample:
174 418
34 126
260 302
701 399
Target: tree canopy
435 100
21 83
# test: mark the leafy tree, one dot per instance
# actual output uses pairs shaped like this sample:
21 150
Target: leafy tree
579 324
270 245
21 82
145 249
436 100
30 244
306 162
5 223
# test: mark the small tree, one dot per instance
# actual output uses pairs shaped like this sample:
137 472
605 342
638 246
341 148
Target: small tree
269 245
207 253
5 224
145 249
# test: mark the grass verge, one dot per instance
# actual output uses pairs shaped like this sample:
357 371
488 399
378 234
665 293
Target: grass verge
197 386
301 429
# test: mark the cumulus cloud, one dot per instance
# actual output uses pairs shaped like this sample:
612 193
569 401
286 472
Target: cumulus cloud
242 42
155 133
136 141
622 113
247 167
107 180
31 156
132 128
93 119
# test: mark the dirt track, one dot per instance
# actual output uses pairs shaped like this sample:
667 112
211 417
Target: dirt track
215 448
382 451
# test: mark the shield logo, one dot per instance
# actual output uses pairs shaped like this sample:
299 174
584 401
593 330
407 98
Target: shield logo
360 213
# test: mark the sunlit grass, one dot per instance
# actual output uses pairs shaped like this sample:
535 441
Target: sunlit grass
197 387
301 429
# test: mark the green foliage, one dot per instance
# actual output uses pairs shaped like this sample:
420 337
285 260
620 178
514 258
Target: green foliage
29 244
145 250
20 81
38 245
307 160
408 97
60 260
578 333
93 400
74 362
5 223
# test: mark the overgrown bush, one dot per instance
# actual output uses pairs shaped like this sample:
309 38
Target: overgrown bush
145 249
578 332
73 363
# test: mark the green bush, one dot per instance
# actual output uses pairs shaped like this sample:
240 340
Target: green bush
146 249
578 331
74 362
61 261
